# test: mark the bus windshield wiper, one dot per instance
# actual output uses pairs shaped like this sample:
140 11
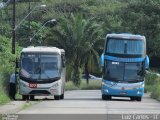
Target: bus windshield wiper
134 81
114 80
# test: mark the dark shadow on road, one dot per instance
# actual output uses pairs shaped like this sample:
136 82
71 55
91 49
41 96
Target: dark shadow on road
40 99
78 99
84 99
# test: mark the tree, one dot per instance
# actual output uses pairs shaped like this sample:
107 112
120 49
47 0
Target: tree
142 17
23 34
78 37
7 61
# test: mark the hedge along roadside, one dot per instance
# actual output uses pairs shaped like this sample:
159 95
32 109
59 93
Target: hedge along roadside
152 84
7 62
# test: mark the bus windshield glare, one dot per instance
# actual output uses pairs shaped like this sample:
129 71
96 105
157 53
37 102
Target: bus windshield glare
39 66
124 72
125 47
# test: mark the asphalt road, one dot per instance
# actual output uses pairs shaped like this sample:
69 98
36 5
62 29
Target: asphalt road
88 103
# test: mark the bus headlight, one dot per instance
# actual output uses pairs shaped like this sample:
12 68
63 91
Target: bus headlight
139 92
55 85
103 83
23 85
106 90
141 86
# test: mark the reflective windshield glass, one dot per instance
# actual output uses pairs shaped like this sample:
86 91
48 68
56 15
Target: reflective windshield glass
39 66
120 46
133 71
114 70
120 71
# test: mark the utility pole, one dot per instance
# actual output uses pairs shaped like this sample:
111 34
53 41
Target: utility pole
14 35
13 27
29 21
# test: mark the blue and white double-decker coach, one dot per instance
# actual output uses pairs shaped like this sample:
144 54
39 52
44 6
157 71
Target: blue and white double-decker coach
124 62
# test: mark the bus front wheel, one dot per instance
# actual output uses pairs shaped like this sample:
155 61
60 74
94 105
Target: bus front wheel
139 98
62 96
136 98
25 97
57 97
132 98
106 97
32 97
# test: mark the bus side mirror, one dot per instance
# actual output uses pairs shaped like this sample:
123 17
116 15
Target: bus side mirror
146 63
142 72
63 61
102 60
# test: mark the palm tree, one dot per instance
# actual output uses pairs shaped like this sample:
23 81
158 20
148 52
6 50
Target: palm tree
78 37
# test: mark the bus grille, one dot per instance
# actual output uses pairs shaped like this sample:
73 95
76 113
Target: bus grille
39 92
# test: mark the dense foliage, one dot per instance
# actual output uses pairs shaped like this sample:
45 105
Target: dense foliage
152 84
7 62
82 26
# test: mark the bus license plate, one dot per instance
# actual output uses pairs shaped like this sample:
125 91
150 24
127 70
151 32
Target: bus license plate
122 93
32 85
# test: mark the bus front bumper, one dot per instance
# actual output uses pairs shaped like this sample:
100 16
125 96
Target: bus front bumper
41 89
122 91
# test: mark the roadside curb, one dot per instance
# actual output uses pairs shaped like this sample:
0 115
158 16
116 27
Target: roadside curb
12 107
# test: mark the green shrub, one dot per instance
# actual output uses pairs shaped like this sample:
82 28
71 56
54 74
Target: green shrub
152 84
7 61
70 86
151 79
3 92
93 85
156 92
3 98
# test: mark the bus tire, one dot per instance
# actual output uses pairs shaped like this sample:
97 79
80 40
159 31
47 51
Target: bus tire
57 97
106 97
139 99
103 97
62 96
25 97
32 97
132 98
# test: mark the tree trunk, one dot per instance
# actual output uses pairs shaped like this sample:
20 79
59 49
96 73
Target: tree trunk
87 73
76 76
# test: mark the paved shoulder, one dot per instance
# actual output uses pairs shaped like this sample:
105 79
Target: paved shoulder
11 107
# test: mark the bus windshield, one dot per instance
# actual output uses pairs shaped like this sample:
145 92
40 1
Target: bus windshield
125 47
124 72
39 66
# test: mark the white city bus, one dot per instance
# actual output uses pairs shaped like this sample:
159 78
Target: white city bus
42 72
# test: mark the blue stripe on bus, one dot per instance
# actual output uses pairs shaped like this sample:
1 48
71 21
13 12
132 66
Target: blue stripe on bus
124 59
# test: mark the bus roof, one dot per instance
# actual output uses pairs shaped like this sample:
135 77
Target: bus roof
41 49
126 36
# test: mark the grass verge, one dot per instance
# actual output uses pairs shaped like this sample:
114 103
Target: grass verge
93 85
3 98
152 84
